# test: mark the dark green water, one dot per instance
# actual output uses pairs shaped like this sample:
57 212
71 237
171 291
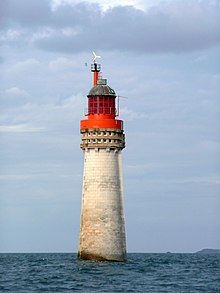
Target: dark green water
143 272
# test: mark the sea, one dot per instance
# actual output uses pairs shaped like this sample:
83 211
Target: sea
142 272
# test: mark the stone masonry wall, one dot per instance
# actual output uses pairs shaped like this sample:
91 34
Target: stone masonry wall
103 138
102 228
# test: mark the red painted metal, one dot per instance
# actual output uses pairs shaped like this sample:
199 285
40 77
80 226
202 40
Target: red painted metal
101 123
101 109
96 75
101 105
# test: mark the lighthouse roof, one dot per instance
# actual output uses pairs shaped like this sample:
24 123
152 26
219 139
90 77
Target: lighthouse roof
102 90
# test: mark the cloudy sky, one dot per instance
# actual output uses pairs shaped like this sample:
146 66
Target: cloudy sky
162 55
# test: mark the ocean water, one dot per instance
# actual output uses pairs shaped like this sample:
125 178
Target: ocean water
142 272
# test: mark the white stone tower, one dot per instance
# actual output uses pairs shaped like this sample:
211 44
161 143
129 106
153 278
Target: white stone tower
102 226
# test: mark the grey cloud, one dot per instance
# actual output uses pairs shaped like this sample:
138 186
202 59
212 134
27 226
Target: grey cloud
176 26
32 13
81 15
24 12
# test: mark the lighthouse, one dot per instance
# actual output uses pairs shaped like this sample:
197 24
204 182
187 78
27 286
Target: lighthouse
102 224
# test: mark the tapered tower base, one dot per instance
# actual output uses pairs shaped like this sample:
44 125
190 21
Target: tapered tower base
102 231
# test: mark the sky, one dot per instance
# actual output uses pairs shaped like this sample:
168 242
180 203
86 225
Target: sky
164 57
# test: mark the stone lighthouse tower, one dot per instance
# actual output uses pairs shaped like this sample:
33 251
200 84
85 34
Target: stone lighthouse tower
102 226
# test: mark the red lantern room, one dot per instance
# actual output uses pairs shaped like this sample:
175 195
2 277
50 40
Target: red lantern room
101 104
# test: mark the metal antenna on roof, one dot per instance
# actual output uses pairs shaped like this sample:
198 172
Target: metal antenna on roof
95 68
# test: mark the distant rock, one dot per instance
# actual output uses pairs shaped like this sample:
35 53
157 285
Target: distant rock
208 251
